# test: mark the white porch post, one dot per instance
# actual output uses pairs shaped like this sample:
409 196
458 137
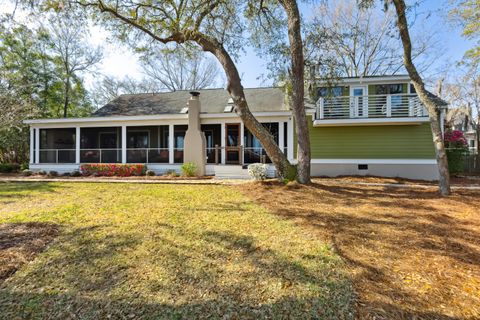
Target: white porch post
37 145
281 136
170 143
124 144
32 142
222 144
290 154
77 145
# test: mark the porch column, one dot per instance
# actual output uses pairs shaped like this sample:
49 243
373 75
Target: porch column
77 145
32 143
290 154
37 145
124 144
222 143
281 136
170 143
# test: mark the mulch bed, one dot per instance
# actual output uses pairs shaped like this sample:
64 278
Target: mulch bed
411 253
21 242
166 177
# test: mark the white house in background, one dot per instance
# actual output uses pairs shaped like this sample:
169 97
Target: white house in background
371 125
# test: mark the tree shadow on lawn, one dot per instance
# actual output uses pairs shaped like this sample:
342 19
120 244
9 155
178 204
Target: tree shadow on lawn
413 254
14 191
93 274
21 242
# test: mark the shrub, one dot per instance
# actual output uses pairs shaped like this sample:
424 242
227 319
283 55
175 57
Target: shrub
171 173
24 166
9 167
27 173
456 147
150 173
53 173
42 172
108 170
75 173
189 169
258 171
66 174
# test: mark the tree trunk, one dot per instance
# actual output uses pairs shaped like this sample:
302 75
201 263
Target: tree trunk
67 97
298 90
433 112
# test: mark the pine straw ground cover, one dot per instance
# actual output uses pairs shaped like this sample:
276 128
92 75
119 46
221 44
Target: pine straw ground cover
412 254
136 251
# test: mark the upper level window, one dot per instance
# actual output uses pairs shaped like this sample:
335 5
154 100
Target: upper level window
330 91
388 88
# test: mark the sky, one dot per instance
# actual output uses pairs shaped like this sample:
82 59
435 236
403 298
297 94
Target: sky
119 61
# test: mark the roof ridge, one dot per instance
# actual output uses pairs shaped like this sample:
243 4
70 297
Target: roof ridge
205 89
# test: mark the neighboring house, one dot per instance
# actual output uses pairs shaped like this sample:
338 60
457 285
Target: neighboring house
373 125
461 118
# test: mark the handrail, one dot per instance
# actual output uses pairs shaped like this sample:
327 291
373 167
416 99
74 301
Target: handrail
370 106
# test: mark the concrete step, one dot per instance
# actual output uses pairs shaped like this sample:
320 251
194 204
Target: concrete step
230 172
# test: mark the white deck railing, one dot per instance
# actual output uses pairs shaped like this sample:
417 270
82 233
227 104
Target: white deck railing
372 106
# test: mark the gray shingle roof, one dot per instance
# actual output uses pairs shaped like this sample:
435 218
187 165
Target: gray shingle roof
212 100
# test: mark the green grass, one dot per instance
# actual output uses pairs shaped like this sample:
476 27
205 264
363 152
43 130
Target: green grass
167 252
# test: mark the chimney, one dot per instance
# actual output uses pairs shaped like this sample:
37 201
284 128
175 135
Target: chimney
195 142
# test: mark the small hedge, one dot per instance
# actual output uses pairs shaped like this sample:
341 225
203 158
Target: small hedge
9 167
189 169
108 170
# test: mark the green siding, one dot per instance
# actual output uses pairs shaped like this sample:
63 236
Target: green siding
371 142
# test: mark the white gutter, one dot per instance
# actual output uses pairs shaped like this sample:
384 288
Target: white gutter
150 117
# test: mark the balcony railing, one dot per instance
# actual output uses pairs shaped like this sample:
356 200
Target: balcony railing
372 106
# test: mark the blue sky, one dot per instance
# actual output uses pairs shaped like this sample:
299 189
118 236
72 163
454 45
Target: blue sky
120 62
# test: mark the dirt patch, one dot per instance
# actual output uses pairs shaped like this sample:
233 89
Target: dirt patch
412 254
21 242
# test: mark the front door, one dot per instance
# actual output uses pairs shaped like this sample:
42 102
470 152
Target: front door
232 143
360 103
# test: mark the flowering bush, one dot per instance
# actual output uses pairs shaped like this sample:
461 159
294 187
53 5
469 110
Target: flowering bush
258 171
455 139
108 170
456 146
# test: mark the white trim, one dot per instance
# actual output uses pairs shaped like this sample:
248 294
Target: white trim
281 136
290 136
171 141
151 117
370 121
222 143
372 80
37 145
77 145
242 134
32 142
374 161
124 144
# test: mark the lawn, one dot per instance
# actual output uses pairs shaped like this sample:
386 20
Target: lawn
411 254
138 251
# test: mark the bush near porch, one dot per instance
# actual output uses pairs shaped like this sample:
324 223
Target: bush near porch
109 170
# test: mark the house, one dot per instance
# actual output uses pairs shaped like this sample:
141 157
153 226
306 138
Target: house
358 126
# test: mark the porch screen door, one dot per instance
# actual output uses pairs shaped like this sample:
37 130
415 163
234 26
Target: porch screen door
232 143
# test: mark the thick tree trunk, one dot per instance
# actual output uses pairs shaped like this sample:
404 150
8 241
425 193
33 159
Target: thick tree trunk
298 90
433 112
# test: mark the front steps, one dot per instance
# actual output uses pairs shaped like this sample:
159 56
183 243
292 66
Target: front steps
230 172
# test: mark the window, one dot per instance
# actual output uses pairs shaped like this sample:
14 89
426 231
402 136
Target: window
330 91
388 88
